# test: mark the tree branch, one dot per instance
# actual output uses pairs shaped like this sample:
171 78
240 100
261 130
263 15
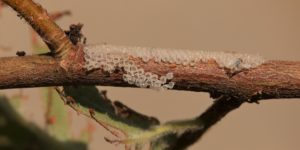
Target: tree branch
273 79
42 23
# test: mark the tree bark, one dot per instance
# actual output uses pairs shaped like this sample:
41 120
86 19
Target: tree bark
273 79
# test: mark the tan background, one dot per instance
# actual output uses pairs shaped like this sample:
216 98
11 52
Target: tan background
268 27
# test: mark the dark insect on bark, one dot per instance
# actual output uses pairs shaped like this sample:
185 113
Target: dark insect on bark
75 34
20 53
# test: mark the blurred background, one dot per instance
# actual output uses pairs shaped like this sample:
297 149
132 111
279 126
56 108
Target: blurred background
270 28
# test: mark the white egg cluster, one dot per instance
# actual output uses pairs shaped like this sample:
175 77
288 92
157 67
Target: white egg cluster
108 57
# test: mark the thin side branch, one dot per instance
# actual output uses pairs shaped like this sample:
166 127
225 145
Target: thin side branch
273 79
210 117
42 23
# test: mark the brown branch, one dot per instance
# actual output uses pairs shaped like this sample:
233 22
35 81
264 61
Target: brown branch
273 79
42 23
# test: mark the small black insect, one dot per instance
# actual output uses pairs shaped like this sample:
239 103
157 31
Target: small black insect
75 34
20 53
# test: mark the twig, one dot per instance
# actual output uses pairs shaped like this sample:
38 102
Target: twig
42 23
49 104
4 48
59 14
210 117
106 127
36 44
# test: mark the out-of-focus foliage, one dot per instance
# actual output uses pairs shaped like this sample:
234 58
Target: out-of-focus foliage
18 134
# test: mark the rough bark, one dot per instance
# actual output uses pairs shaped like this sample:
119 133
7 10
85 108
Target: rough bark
273 79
